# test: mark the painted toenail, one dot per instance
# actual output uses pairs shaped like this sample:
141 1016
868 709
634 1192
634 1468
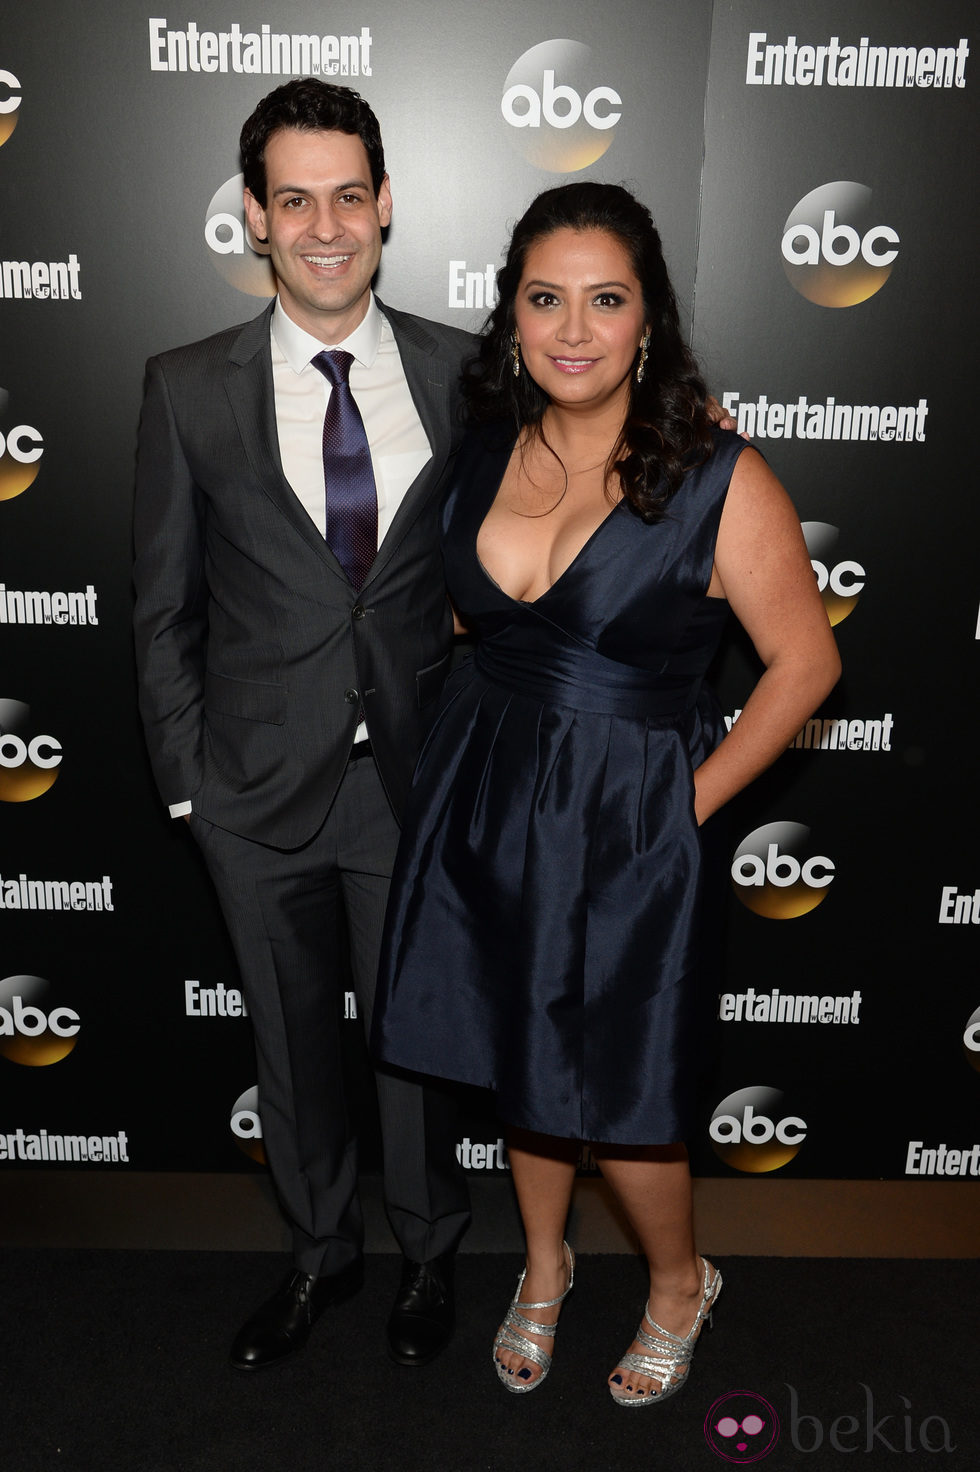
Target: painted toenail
617 1379
524 1374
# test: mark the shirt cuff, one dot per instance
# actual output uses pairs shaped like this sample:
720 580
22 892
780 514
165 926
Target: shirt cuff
180 809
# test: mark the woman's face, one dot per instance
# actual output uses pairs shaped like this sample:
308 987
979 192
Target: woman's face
579 318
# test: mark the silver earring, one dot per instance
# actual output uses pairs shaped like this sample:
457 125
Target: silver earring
515 352
644 350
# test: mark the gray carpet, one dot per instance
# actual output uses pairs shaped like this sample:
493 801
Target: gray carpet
117 1361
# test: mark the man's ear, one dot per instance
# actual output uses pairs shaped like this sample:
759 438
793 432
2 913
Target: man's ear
255 215
384 202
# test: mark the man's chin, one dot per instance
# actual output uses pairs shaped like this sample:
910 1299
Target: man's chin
329 313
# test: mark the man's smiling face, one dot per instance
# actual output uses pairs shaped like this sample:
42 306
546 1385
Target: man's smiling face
323 223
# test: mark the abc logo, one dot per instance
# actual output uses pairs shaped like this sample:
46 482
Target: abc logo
236 253
774 874
246 1125
32 1031
9 103
840 581
28 763
971 1041
751 1131
834 251
557 118
21 448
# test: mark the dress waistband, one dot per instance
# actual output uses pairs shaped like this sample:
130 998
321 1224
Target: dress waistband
585 680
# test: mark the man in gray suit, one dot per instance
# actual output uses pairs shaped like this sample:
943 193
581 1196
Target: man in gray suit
284 687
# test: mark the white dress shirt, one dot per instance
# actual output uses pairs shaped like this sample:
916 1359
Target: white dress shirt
398 443
399 448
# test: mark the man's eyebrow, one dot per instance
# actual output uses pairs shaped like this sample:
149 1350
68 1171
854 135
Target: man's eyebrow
305 188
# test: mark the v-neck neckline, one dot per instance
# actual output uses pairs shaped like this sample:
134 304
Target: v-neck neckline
532 602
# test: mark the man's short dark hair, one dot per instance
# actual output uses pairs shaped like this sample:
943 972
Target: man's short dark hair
315 107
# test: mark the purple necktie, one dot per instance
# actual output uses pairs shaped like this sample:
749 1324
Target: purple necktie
352 500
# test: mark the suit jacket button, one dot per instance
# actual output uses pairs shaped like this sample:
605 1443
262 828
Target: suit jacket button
357 611
351 696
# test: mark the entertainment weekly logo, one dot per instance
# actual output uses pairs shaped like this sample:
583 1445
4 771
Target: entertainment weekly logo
22 893
229 1001
765 418
940 1160
840 733
959 908
212 1001
17 1145
41 281
777 1006
261 53
472 287
60 607
789 64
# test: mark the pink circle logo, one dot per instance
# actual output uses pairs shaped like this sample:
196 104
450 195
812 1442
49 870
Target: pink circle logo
741 1427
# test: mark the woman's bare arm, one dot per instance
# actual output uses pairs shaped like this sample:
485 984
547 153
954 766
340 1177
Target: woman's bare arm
763 569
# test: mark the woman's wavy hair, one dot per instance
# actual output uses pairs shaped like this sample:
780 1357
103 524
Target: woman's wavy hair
667 428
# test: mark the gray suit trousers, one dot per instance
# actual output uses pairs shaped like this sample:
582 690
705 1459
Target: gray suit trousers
286 911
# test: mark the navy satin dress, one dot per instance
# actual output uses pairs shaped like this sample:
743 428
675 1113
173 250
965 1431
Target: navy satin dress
542 937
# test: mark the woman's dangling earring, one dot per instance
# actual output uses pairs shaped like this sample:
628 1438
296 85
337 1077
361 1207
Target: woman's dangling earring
515 350
644 350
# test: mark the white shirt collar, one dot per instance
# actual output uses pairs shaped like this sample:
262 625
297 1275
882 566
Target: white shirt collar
299 347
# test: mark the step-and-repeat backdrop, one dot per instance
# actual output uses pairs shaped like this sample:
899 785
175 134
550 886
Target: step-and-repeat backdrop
810 167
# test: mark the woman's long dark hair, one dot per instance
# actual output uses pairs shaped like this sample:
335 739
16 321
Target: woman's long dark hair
667 428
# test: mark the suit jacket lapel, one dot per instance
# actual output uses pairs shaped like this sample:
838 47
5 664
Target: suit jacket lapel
248 384
431 381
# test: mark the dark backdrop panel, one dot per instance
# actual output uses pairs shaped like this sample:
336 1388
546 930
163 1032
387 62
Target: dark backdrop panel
896 821
115 174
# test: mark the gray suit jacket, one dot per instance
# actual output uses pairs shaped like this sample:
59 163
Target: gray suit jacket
253 651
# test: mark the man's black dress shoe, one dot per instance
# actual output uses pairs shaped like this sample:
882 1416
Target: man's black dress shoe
424 1315
282 1325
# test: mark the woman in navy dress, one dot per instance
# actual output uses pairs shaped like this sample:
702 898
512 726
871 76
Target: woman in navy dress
545 925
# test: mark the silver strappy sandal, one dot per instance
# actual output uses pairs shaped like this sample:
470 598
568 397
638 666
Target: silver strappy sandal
668 1352
513 1331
